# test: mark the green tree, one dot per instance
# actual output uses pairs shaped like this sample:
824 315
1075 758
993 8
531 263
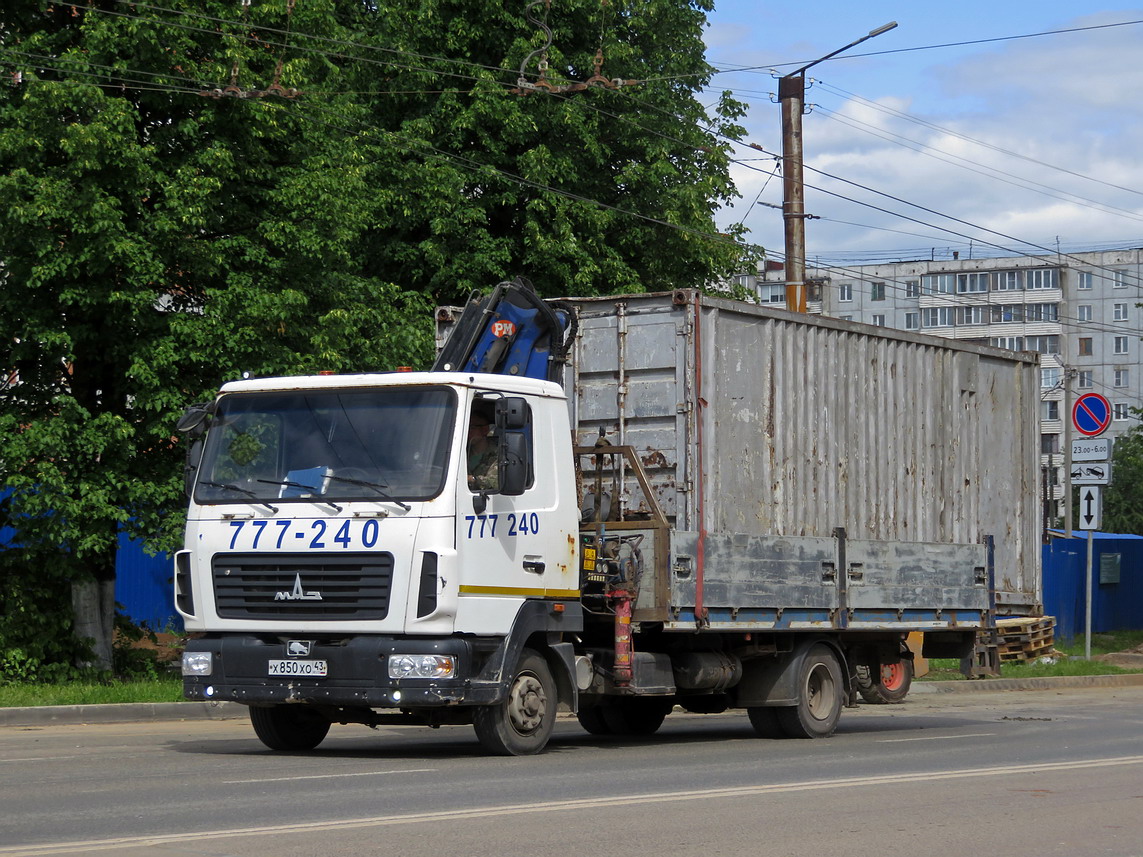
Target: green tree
601 190
1123 498
154 243
195 190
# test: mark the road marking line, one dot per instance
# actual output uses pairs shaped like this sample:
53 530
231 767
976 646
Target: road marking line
330 776
937 738
603 802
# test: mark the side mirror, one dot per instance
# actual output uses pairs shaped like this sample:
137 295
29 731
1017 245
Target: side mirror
514 463
511 413
193 421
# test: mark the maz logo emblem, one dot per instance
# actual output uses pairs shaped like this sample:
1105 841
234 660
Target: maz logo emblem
296 594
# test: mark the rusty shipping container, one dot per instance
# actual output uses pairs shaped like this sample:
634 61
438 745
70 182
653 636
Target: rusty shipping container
771 438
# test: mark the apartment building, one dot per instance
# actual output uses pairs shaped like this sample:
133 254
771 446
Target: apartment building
1080 311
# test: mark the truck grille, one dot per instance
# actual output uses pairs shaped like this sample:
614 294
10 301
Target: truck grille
303 586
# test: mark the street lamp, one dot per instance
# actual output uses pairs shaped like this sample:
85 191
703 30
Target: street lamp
792 97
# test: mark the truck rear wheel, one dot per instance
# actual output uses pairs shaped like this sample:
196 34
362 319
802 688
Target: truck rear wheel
820 692
892 686
590 717
764 719
288 727
522 724
636 715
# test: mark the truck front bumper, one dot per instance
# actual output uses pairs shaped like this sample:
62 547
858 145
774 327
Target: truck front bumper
356 672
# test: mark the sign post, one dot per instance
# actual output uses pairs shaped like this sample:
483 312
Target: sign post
1090 517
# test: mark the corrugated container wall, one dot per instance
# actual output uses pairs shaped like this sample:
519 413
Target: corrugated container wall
757 421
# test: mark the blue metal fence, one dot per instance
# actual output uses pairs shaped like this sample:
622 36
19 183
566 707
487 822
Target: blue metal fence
1117 583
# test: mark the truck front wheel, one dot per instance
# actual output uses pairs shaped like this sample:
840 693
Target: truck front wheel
820 692
522 724
288 727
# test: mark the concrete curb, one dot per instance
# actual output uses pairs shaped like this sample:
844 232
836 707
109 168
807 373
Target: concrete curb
992 685
129 712
154 712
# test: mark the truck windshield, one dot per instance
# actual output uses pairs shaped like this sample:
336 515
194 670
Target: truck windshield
384 445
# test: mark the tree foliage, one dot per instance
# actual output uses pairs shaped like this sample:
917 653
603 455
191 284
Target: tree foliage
1123 498
190 192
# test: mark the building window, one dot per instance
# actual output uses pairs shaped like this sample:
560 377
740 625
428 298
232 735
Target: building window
972 315
1043 344
1084 379
1119 278
1083 280
1002 313
937 316
1121 345
1050 378
1119 312
1041 278
1084 311
912 288
1120 378
845 292
1012 343
912 321
1049 444
877 291
1008 281
1121 411
879 321
1042 312
1084 343
846 317
971 283
772 294
1049 410
938 284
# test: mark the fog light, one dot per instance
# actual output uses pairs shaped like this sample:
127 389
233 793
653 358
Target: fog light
208 691
422 666
198 663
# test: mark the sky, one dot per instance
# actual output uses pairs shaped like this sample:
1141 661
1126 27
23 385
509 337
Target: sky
1008 146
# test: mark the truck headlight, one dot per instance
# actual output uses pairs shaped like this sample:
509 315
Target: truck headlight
422 666
198 663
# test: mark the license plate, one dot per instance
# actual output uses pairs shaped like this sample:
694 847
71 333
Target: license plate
311 669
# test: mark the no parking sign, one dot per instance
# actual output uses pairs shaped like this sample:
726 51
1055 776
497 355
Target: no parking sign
1091 414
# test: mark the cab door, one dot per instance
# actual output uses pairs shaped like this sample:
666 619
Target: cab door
519 546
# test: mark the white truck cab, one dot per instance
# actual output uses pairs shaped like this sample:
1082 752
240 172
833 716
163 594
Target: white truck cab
339 552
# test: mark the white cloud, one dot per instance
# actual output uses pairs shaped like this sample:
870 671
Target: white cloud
1069 101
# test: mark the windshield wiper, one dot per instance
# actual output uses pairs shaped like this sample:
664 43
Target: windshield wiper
230 487
376 486
289 483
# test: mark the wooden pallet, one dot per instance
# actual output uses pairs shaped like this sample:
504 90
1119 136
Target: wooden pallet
1025 639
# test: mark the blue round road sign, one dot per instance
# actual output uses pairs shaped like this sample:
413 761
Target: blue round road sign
1091 414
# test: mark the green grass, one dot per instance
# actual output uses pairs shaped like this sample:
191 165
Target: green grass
92 693
1073 664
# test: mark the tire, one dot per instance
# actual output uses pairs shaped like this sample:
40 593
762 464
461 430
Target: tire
591 718
289 727
764 719
821 693
892 687
636 715
522 724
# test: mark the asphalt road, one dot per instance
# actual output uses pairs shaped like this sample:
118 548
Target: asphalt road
1055 772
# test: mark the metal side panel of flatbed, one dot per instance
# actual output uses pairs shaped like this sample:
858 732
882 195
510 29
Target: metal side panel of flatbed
765 428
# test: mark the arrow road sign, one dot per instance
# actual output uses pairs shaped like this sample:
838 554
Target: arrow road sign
1091 414
1091 508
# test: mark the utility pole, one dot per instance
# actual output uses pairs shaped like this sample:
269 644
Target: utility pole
792 97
